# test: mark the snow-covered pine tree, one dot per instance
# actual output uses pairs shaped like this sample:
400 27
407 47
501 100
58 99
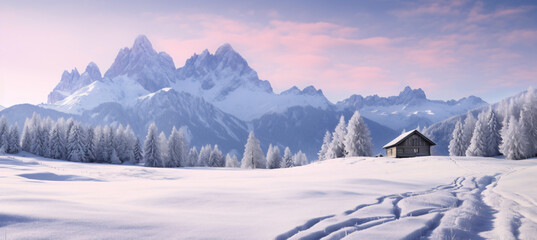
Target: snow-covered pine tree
130 141
324 148
90 141
4 135
269 154
56 147
137 151
357 142
164 151
456 145
192 160
232 162
176 148
337 146
253 156
152 156
108 143
494 138
26 136
14 146
468 130
120 143
77 144
478 144
100 148
528 120
514 144
205 153
216 159
287 160
274 158
114 159
300 159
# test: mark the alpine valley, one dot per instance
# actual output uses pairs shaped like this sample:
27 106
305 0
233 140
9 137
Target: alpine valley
217 99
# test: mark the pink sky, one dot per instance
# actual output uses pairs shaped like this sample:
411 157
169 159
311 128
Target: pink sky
451 49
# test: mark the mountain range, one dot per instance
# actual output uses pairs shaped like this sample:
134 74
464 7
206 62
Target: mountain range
218 98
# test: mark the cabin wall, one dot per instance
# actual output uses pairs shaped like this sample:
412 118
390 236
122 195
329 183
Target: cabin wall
391 152
413 146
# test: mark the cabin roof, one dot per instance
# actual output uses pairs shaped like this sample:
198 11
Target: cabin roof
406 135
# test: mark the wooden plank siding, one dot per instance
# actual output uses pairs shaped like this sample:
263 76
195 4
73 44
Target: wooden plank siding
413 145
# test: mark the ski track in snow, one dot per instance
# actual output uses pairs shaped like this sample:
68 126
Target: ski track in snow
426 221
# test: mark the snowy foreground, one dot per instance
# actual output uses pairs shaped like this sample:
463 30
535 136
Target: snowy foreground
356 198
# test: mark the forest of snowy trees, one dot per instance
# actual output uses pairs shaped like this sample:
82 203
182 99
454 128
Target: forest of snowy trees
70 140
510 129
347 140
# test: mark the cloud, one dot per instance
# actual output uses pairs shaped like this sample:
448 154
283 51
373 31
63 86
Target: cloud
477 14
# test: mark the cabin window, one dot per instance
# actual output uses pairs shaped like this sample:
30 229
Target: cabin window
416 150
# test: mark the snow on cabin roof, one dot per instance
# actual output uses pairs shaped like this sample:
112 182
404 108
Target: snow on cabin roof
405 135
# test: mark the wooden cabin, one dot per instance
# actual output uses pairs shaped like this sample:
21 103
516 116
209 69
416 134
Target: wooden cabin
409 144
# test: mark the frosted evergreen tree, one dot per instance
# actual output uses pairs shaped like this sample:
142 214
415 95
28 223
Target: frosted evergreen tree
514 144
107 144
253 156
90 144
232 162
468 130
216 158
130 142
287 160
77 144
324 148
456 145
274 157
56 144
13 142
164 151
26 136
269 153
528 120
205 153
300 159
358 139
137 151
100 148
152 157
192 159
337 145
177 148
4 135
120 143
40 140
114 159
494 138
478 144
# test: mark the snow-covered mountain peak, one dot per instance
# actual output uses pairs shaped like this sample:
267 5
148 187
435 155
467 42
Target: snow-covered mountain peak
141 62
143 45
408 95
93 71
309 90
72 81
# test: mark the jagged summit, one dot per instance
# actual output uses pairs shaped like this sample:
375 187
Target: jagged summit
72 81
309 90
141 62
142 44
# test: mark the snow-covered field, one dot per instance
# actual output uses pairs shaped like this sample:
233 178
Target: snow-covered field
354 198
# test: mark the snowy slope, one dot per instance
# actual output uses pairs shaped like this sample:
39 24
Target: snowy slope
411 108
121 89
1 108
355 198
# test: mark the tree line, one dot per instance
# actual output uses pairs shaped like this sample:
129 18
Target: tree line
71 140
510 130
